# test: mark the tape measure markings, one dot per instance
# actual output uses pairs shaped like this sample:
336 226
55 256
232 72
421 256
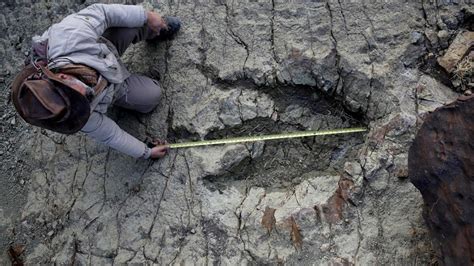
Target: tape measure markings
298 134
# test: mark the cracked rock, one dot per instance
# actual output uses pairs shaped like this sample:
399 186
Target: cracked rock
238 68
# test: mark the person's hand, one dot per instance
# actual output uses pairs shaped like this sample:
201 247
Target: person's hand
156 22
160 150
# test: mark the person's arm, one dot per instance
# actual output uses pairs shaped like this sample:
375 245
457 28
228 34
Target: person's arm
106 131
76 32
104 16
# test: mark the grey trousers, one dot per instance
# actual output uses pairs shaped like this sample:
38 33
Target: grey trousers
141 93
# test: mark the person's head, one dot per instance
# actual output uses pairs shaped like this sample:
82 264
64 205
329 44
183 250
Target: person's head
56 102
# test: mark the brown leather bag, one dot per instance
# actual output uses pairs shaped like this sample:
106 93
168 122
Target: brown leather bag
43 99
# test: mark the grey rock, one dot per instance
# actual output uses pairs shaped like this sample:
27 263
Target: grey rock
256 149
292 113
216 160
353 168
230 110
443 36
240 68
451 22
3 21
432 36
442 25
416 37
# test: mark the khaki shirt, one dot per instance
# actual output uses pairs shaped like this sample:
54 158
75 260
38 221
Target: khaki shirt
77 39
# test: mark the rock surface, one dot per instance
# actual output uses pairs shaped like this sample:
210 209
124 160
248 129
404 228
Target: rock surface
441 166
239 68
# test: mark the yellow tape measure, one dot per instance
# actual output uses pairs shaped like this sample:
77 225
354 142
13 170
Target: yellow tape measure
298 134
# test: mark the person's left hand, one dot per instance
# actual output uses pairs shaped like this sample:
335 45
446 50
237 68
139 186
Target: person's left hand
156 22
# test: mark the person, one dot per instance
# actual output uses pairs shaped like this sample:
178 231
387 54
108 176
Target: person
75 74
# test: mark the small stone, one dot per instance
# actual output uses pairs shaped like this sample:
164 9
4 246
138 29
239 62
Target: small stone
40 220
315 97
22 182
442 25
50 233
468 92
256 149
193 231
325 247
416 37
401 173
431 36
353 168
274 116
136 188
13 121
451 22
443 37
346 221
456 82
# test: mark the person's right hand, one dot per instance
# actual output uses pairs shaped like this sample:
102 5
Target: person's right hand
160 150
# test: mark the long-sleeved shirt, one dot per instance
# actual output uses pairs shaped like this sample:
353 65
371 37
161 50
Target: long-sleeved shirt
77 39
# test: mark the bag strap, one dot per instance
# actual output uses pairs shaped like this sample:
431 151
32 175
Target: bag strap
87 75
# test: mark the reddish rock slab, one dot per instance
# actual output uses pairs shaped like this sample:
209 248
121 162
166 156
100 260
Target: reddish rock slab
441 166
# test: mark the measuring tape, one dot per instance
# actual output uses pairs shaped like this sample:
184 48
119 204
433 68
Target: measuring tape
298 134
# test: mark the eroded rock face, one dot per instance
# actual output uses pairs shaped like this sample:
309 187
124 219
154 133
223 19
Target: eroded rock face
441 166
239 68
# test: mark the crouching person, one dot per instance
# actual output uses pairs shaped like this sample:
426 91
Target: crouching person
75 74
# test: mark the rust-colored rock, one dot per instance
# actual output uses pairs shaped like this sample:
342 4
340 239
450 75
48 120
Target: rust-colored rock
334 207
441 166
268 219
